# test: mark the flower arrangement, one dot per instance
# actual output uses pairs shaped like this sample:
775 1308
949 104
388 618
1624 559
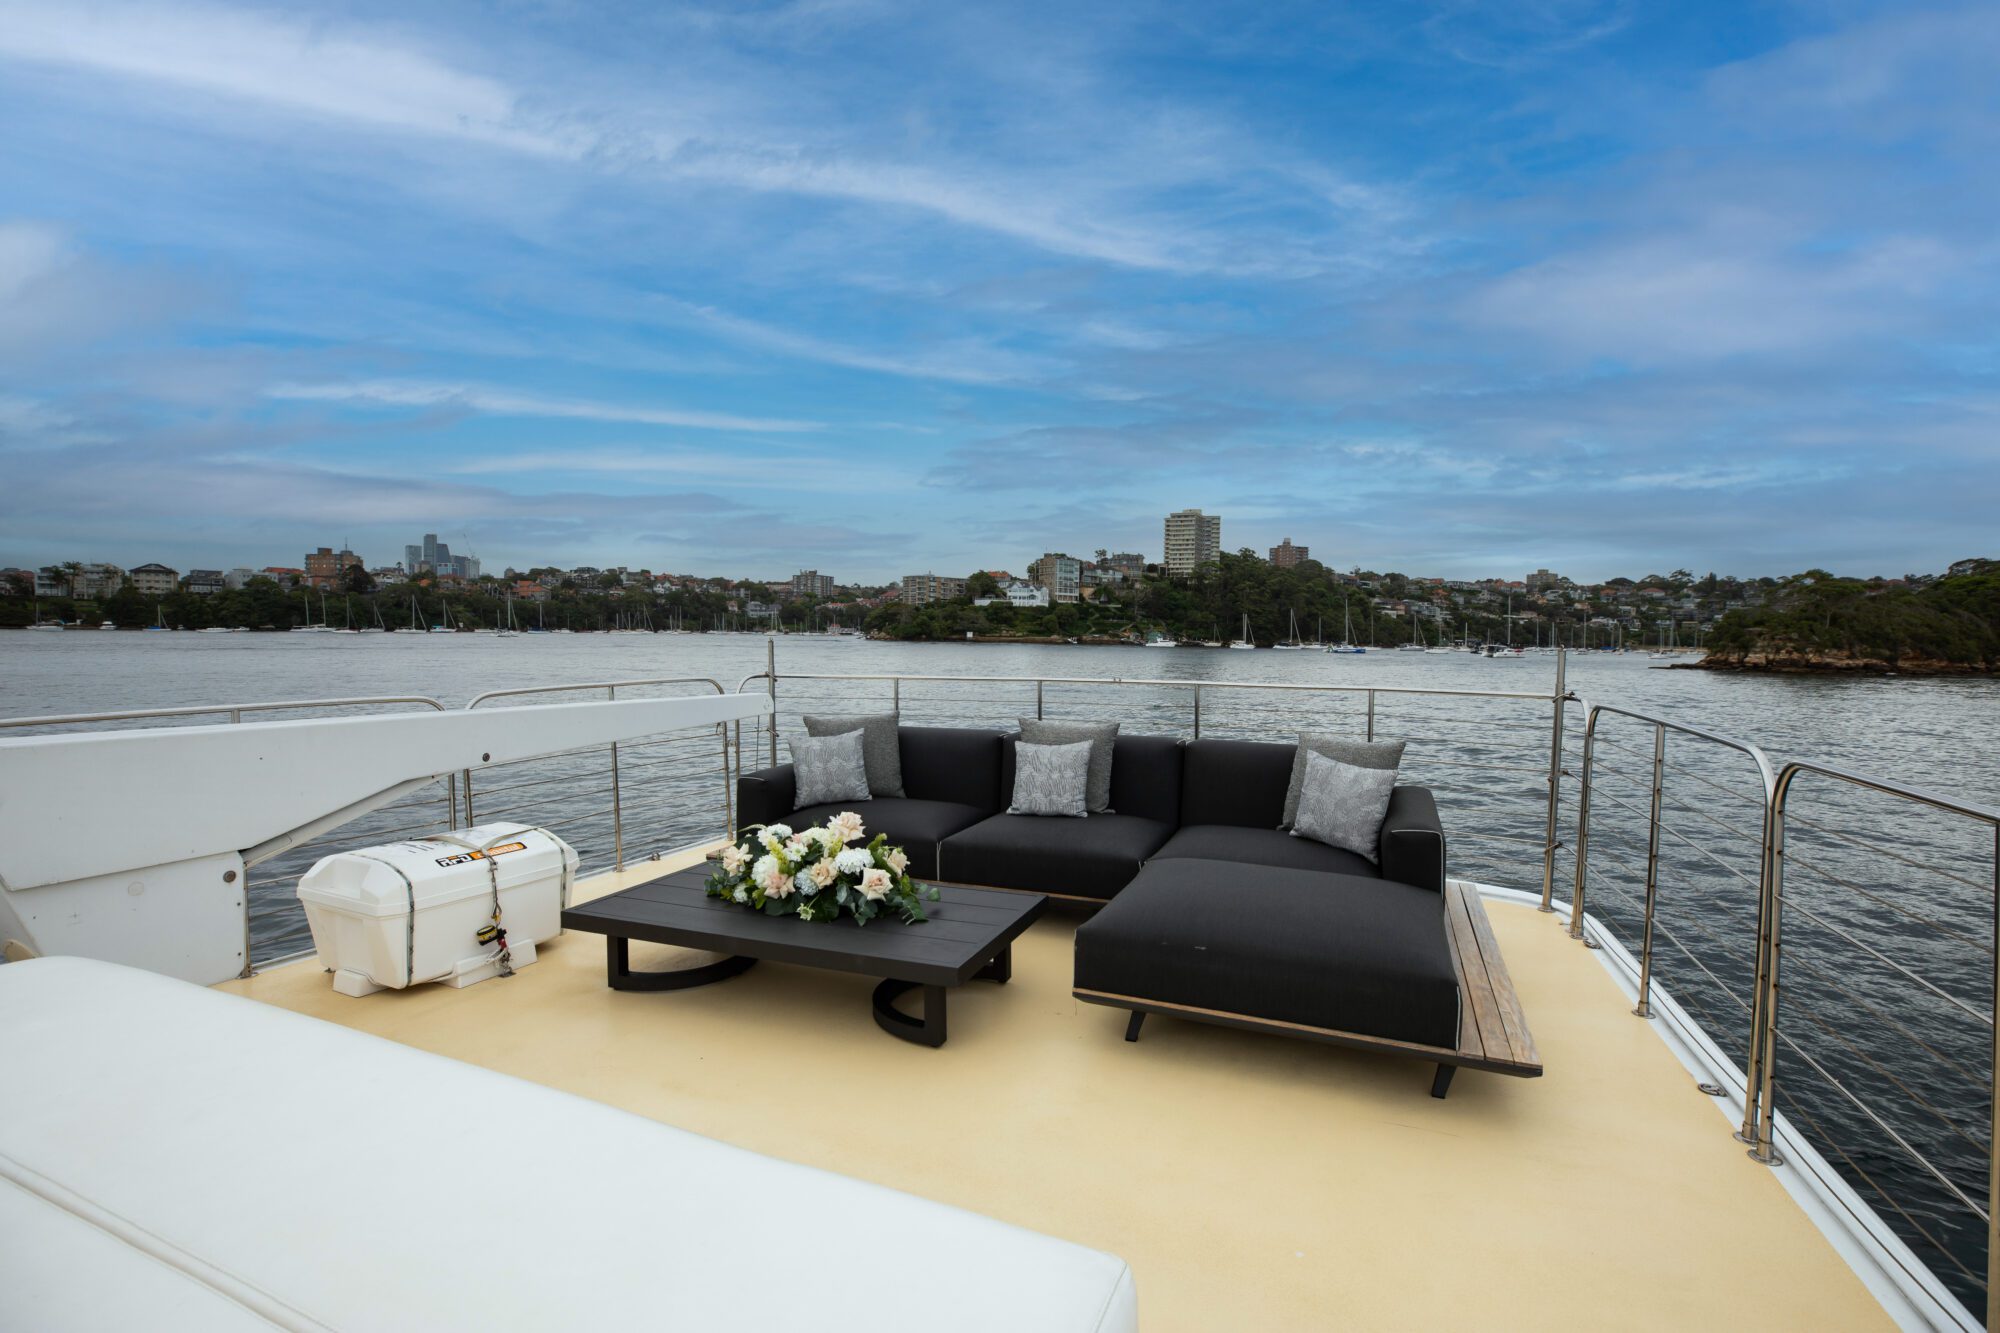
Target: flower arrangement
819 873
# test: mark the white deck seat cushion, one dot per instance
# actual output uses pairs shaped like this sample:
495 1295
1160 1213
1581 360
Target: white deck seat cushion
218 1160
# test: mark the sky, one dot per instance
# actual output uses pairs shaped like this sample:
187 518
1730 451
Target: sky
877 288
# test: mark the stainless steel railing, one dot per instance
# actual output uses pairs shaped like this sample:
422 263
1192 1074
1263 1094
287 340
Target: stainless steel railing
667 756
1472 768
1890 1092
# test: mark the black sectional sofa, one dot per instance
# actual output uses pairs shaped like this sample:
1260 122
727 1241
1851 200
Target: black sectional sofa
1210 800
1205 909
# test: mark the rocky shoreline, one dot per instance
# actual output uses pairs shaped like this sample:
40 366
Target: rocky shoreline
1828 664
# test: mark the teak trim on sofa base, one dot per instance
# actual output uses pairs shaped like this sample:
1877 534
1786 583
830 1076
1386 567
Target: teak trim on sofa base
1492 1034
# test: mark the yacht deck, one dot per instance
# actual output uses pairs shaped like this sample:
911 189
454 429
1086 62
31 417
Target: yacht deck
1250 1181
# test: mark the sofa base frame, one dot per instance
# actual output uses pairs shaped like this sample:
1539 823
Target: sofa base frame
1493 1035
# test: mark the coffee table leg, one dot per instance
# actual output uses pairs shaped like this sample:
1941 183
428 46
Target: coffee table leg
1001 969
619 973
925 1031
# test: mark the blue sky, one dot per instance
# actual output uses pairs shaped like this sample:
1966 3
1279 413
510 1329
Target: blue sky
877 287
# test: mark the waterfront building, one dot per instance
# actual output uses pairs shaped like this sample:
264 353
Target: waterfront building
432 556
1129 566
1018 593
155 580
1062 575
283 575
238 577
326 567
205 582
812 583
1285 555
923 589
1192 539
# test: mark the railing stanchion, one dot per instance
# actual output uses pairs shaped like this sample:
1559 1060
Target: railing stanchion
771 689
728 784
1993 1120
617 807
1760 1074
466 778
1197 712
1038 701
1582 833
1371 715
1555 799
1644 1008
895 698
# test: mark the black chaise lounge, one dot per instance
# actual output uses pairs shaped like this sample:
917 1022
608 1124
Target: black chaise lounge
1205 909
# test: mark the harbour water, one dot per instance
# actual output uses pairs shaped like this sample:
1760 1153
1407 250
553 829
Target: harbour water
1888 959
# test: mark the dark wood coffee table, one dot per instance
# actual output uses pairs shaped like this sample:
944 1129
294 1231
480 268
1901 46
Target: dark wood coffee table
968 933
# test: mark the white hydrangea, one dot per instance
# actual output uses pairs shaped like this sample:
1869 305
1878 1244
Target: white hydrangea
803 882
853 861
741 895
773 836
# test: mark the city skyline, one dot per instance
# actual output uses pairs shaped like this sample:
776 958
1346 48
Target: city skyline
874 287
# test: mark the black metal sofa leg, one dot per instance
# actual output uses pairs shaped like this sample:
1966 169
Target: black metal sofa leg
1132 1026
1441 1084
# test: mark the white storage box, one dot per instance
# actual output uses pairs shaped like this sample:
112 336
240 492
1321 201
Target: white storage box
407 912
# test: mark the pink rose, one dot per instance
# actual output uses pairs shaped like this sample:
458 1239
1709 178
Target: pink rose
875 884
822 873
897 860
847 824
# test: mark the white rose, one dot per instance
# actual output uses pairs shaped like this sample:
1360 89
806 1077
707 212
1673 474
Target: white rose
822 873
733 858
875 884
848 825
897 859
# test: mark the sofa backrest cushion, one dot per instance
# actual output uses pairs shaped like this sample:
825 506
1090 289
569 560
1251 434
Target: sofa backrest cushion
1235 782
957 764
1145 776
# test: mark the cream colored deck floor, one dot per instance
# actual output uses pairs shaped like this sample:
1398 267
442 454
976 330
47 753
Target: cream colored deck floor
1252 1182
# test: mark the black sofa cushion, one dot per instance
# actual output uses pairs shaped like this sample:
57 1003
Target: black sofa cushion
915 826
1235 782
1092 857
956 764
1262 847
1366 956
1413 839
1145 776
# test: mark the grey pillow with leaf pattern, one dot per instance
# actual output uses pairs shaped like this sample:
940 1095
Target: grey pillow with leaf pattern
829 768
1051 780
1103 738
1343 805
881 747
1361 754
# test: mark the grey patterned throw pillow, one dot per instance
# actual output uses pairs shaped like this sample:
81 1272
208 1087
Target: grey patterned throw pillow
829 768
1343 805
881 747
1103 736
1361 754
1051 780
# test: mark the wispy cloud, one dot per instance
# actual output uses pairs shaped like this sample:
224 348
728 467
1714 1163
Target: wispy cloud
505 402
